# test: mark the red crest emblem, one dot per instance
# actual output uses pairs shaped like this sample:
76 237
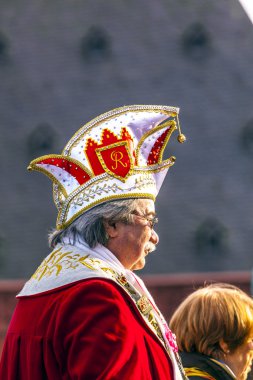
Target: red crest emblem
116 160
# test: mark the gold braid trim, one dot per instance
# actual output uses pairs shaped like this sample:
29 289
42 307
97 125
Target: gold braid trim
197 372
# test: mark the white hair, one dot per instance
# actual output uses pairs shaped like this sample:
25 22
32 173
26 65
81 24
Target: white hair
90 225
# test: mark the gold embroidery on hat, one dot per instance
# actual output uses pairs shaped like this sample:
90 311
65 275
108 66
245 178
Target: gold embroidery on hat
62 216
91 190
171 123
167 110
155 167
58 196
117 159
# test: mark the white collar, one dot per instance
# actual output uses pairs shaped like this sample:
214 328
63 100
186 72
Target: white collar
104 254
67 256
99 251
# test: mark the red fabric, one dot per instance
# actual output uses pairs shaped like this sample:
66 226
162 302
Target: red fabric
88 330
108 139
69 166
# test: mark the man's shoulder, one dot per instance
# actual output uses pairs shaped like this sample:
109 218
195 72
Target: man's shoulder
96 286
64 266
92 297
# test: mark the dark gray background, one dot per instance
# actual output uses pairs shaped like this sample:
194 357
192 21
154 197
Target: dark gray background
63 62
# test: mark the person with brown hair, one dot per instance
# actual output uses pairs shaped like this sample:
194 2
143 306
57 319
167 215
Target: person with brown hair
214 330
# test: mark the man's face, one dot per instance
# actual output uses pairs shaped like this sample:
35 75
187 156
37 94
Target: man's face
131 243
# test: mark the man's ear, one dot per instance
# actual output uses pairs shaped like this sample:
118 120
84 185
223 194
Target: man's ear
224 346
111 228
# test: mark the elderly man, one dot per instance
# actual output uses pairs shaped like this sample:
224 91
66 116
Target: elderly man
84 314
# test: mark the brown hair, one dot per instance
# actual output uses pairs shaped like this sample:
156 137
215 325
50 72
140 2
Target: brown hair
211 314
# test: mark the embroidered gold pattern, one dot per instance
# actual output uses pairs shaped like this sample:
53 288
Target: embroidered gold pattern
62 217
92 193
116 157
144 305
156 167
122 280
58 261
92 190
58 196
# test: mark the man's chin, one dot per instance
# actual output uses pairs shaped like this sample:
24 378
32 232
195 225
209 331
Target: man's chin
139 265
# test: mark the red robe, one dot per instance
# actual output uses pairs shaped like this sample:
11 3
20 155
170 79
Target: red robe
90 329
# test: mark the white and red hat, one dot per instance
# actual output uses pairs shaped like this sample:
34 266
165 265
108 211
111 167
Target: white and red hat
117 155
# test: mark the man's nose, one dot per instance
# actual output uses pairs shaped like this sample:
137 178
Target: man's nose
154 238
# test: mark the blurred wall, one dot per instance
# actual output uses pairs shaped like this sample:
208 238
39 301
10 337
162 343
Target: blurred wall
64 62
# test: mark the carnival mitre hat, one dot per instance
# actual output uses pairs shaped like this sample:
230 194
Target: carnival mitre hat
117 155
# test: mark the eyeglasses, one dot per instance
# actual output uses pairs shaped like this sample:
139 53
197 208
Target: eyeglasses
151 220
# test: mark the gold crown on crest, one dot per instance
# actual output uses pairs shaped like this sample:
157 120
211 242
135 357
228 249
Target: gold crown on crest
117 155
